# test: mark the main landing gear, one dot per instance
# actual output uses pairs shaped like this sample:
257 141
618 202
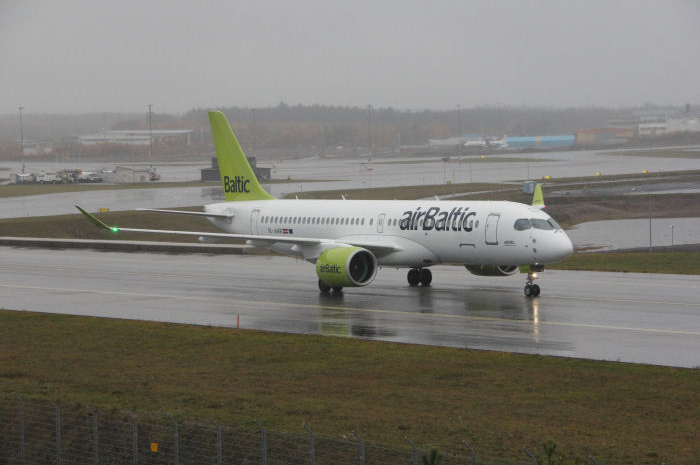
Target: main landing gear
531 289
418 276
326 289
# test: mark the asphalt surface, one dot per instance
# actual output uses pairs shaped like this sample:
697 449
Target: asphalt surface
606 316
342 173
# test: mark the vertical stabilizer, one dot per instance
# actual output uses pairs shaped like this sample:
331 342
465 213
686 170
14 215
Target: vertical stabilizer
237 177
538 198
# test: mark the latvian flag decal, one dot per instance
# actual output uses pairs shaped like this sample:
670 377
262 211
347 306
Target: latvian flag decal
287 231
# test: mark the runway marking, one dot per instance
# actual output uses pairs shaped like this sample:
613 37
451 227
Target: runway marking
366 310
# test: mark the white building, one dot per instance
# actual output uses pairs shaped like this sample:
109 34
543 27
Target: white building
134 137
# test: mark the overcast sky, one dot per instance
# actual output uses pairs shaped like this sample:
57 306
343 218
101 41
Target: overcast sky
104 56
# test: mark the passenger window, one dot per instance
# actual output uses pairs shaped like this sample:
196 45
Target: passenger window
538 223
522 224
363 221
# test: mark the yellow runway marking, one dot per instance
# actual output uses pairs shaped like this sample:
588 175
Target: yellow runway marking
378 311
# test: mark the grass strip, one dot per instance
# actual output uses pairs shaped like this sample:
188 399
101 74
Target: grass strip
400 192
681 262
78 227
499 402
20 190
657 153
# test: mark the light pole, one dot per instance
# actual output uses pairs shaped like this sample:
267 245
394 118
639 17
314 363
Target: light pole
150 133
21 131
671 238
369 124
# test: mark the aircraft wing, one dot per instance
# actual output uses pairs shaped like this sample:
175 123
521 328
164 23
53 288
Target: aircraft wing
181 212
256 239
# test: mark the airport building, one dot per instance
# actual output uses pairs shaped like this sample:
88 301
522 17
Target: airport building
135 137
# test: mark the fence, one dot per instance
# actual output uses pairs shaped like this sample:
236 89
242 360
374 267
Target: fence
45 433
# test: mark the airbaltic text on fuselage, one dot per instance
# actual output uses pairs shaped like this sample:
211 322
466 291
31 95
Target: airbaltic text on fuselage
457 219
236 184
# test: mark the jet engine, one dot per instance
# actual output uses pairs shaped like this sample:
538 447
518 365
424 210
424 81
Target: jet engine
492 270
346 267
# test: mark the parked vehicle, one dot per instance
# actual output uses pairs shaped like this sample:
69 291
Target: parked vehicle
49 178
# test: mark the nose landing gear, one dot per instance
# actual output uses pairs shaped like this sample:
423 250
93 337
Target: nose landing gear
531 289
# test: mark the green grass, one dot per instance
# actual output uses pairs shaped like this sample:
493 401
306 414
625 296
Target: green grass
464 160
500 402
657 153
18 190
78 227
400 192
681 262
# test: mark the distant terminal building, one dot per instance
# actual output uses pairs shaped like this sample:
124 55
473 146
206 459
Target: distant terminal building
605 136
135 137
541 142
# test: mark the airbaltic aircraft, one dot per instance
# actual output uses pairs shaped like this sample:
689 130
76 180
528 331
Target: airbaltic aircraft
349 239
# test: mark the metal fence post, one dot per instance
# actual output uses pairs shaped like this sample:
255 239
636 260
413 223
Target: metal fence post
58 432
219 444
135 439
21 428
177 441
264 442
313 445
415 450
362 447
532 457
471 451
95 438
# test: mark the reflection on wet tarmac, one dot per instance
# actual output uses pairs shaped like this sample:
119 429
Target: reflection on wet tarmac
608 316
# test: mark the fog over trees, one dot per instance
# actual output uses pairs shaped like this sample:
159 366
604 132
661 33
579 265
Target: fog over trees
319 126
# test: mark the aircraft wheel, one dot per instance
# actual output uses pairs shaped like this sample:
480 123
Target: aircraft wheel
337 290
535 290
426 276
413 277
528 290
323 287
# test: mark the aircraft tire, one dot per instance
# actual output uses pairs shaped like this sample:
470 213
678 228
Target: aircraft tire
528 290
337 290
323 287
535 290
413 277
426 276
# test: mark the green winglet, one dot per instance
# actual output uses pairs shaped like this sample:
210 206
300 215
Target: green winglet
538 198
97 222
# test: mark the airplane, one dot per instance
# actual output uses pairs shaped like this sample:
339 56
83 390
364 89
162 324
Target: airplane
501 143
348 240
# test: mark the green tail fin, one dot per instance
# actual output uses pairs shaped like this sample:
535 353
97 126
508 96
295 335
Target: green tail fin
538 198
237 177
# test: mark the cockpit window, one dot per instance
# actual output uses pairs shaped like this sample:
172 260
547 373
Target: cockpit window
522 224
554 224
538 223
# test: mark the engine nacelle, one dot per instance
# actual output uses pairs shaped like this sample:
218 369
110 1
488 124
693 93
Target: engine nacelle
346 267
492 270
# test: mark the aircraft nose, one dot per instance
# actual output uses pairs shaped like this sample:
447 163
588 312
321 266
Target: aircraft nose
564 246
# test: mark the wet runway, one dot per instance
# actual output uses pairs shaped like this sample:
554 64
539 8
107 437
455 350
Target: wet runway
607 316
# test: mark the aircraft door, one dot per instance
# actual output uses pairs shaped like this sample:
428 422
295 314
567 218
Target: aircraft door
254 215
492 228
380 223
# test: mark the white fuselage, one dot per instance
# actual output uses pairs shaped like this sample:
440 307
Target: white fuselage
423 232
